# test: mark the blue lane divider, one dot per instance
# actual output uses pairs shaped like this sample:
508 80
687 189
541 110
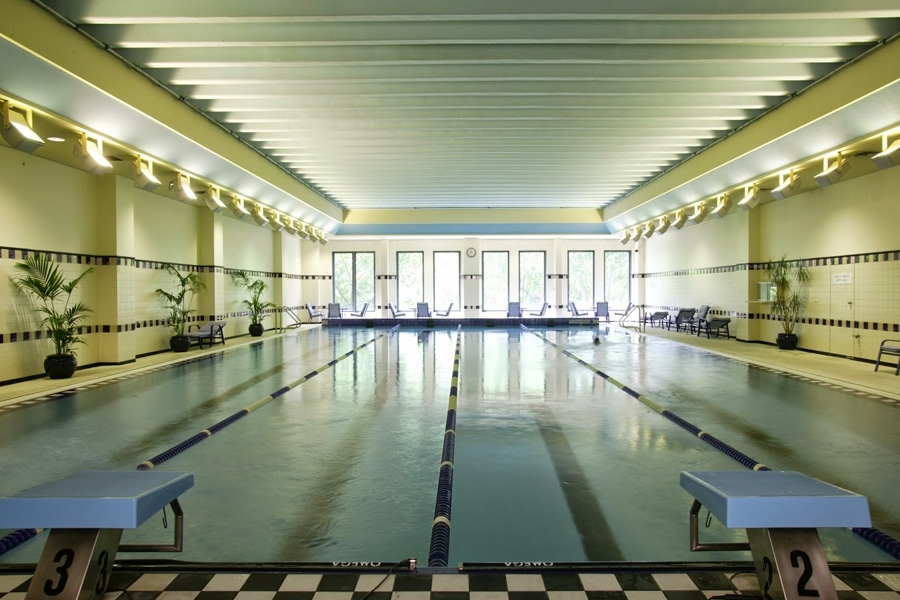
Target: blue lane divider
439 552
16 538
202 435
874 536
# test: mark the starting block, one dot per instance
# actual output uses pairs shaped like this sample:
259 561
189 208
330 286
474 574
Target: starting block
86 514
781 511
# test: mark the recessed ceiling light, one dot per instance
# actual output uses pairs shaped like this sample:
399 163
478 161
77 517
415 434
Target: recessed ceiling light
55 138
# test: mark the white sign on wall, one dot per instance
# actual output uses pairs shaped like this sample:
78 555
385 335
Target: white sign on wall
841 278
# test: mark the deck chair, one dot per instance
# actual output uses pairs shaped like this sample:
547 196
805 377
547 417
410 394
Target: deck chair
422 310
514 310
602 311
682 320
699 316
658 318
313 313
541 312
361 313
334 310
714 325
574 310
208 333
394 312
891 348
446 313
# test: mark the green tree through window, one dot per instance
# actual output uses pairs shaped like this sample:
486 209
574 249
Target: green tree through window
446 280
617 278
410 279
353 278
532 291
581 278
495 280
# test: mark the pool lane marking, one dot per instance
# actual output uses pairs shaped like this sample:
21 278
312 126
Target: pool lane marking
872 535
205 433
439 552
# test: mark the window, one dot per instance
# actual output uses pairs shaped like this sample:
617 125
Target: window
532 291
581 278
495 280
446 280
353 275
410 279
617 278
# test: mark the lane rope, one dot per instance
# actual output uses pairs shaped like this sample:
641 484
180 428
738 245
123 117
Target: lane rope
878 538
439 552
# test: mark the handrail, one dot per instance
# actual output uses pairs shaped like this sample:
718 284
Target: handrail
297 322
631 308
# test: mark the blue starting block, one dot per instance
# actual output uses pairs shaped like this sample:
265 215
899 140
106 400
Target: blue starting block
86 514
781 511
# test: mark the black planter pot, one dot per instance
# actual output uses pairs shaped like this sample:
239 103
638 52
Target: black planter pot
787 341
180 343
256 329
60 366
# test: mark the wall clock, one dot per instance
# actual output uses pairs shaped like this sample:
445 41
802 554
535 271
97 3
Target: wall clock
470 252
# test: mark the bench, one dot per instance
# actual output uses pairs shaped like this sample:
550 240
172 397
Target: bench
86 513
209 333
890 348
781 511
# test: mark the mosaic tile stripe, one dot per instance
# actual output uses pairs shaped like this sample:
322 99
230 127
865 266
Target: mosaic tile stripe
872 257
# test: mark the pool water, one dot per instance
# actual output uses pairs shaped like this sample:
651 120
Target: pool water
552 462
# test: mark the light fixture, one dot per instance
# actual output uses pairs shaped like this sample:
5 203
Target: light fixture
751 196
699 213
302 231
788 185
626 236
275 221
723 205
679 220
17 128
322 239
236 206
181 185
259 216
663 224
831 173
90 153
889 155
649 228
313 237
143 174
290 226
213 199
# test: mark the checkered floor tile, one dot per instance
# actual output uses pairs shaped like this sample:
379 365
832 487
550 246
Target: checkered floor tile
631 585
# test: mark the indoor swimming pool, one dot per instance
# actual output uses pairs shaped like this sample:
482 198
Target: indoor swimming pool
553 463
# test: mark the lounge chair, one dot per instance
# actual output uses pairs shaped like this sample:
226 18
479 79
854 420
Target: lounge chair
682 320
394 312
361 313
658 318
699 316
891 348
514 310
313 313
422 310
446 313
334 311
208 333
541 312
574 310
602 311
714 325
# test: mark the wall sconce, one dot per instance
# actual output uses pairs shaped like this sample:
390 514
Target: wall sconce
699 213
213 199
275 221
17 128
302 232
649 228
90 153
751 196
788 185
322 239
143 174
259 216
889 155
833 173
181 185
236 206
626 236
723 205
663 224
290 226
679 220
313 234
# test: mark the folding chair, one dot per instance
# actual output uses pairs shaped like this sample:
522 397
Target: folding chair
313 313
541 312
394 312
361 313
334 311
514 310
602 311
446 313
422 310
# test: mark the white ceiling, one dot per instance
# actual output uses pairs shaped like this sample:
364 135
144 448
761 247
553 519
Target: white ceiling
428 104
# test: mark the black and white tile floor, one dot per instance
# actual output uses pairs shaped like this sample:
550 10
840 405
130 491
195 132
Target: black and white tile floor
630 585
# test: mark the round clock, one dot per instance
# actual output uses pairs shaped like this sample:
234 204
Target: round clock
470 252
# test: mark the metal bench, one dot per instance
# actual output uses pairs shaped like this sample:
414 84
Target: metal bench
781 511
890 348
86 514
210 333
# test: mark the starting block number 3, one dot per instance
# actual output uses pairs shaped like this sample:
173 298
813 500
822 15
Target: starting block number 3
75 565
790 564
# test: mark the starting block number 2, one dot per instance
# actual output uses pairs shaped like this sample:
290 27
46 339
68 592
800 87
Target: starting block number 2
75 565
791 565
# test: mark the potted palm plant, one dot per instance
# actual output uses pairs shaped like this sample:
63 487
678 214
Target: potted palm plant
41 278
254 304
178 304
790 279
